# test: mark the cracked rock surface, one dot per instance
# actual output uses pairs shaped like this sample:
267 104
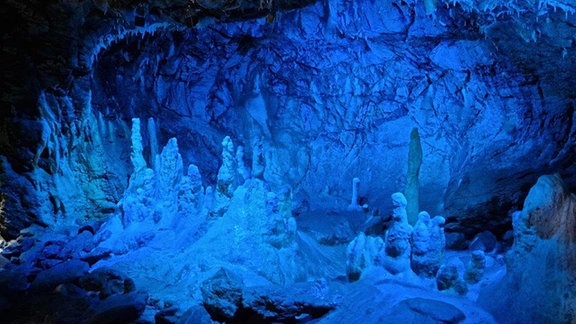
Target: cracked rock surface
330 91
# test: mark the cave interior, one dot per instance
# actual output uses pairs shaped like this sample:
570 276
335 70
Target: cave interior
288 161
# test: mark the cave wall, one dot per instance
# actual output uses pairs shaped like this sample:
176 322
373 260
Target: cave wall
332 92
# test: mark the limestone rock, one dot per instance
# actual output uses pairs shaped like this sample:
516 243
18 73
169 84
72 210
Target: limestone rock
544 248
287 304
226 182
169 173
428 245
475 267
449 278
362 253
123 308
107 282
484 241
354 206
397 238
282 226
222 295
456 241
136 153
258 161
191 195
243 171
61 273
422 310
196 314
227 171
412 191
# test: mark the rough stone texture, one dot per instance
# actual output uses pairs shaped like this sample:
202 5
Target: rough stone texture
397 238
123 308
222 295
421 310
449 278
412 191
228 300
61 273
428 245
475 267
191 195
107 282
362 253
544 248
484 241
482 102
226 180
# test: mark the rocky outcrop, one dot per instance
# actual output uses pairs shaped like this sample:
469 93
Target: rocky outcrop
49 277
541 265
228 300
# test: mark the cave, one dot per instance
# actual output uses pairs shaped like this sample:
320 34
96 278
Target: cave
334 161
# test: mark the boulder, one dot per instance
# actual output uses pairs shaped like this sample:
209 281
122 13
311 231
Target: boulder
222 295
124 308
449 279
63 272
107 282
196 314
456 241
278 304
485 241
422 310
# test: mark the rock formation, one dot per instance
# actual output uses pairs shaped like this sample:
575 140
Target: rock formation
428 245
412 191
362 253
226 182
354 206
541 266
475 267
397 238
449 279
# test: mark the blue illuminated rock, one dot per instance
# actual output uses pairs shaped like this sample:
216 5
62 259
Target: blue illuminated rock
362 253
397 238
222 295
449 279
541 265
169 173
428 245
191 195
475 267
64 272
226 181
